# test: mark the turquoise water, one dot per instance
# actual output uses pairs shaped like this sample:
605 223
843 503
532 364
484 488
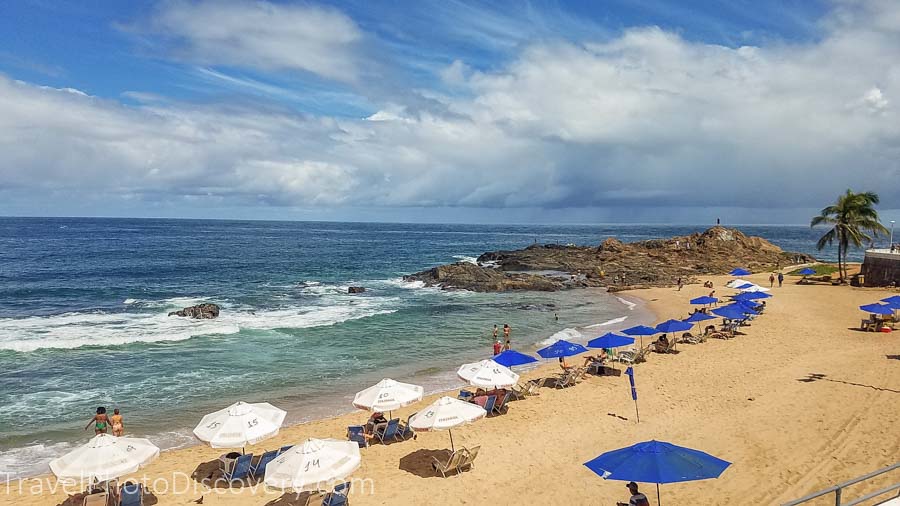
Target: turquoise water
83 322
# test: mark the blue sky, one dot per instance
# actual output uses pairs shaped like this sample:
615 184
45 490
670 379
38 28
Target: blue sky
583 111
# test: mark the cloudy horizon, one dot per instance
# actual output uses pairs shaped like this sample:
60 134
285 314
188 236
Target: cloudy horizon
454 112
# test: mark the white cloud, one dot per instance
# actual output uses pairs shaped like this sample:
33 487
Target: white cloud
262 35
647 118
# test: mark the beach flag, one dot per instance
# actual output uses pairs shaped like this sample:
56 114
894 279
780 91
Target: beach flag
630 372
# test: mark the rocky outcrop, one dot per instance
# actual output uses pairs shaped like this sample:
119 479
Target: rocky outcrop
468 276
614 264
200 312
356 289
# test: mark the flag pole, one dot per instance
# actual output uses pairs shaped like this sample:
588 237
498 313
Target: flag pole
630 372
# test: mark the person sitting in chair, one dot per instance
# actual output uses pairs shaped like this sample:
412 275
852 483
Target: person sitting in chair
376 420
637 498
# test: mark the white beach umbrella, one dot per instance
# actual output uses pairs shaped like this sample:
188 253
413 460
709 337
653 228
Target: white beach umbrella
446 413
388 395
753 288
314 465
104 457
239 425
487 374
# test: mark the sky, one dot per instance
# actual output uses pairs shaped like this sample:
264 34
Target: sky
650 111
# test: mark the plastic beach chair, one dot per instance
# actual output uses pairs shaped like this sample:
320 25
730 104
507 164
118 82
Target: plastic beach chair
96 499
357 433
405 430
489 403
500 406
259 469
452 464
388 431
131 494
338 496
240 469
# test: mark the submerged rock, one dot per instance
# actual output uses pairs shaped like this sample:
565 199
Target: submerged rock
200 312
356 289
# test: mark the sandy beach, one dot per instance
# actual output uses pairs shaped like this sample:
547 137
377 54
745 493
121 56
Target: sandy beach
800 402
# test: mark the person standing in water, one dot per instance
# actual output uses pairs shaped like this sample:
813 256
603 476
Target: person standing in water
118 427
496 347
496 332
506 331
100 421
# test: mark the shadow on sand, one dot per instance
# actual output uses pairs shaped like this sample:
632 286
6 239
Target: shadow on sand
813 377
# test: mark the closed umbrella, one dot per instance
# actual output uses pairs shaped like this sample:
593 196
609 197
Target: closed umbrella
657 462
103 458
511 358
388 395
561 348
314 465
487 374
240 424
445 414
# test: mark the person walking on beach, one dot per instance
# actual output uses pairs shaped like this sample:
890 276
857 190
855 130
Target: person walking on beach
680 284
100 421
780 279
118 427
506 331
637 498
771 280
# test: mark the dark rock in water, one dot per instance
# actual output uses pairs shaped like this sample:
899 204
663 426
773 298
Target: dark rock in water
356 289
200 312
614 264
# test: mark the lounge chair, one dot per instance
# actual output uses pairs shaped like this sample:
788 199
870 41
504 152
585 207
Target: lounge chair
689 338
389 431
626 357
566 379
258 470
357 433
489 404
501 406
452 464
405 430
96 499
468 459
240 468
338 496
667 347
131 494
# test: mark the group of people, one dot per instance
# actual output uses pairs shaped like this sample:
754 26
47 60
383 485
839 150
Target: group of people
481 395
772 279
496 335
103 422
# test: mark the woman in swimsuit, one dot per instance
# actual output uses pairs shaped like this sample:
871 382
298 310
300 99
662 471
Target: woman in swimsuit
118 428
100 421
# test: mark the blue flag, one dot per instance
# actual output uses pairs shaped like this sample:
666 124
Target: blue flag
630 372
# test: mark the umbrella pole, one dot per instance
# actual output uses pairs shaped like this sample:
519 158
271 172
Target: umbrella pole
657 495
452 448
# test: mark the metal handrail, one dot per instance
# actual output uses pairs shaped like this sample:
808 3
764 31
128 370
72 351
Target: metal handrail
838 489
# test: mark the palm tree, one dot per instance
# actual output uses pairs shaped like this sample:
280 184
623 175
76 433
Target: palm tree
850 218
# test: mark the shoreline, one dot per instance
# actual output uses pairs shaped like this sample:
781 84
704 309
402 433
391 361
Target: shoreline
797 404
437 380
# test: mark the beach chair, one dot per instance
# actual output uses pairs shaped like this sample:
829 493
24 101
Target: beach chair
131 494
357 434
240 468
626 357
406 430
668 347
389 431
96 499
489 404
258 470
465 395
525 390
452 464
566 379
468 458
501 406
338 495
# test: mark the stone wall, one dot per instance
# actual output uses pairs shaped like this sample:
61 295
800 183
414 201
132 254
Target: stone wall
881 269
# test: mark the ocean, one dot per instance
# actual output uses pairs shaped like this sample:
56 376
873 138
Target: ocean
84 303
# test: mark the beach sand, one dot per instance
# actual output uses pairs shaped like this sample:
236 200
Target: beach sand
752 401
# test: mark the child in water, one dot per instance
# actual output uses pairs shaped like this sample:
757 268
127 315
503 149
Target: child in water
118 428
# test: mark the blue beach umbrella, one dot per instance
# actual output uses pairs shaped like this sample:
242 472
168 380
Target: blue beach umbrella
877 309
510 358
640 330
751 296
561 348
739 272
673 326
610 340
893 301
730 312
657 462
704 300
806 271
698 317
744 308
